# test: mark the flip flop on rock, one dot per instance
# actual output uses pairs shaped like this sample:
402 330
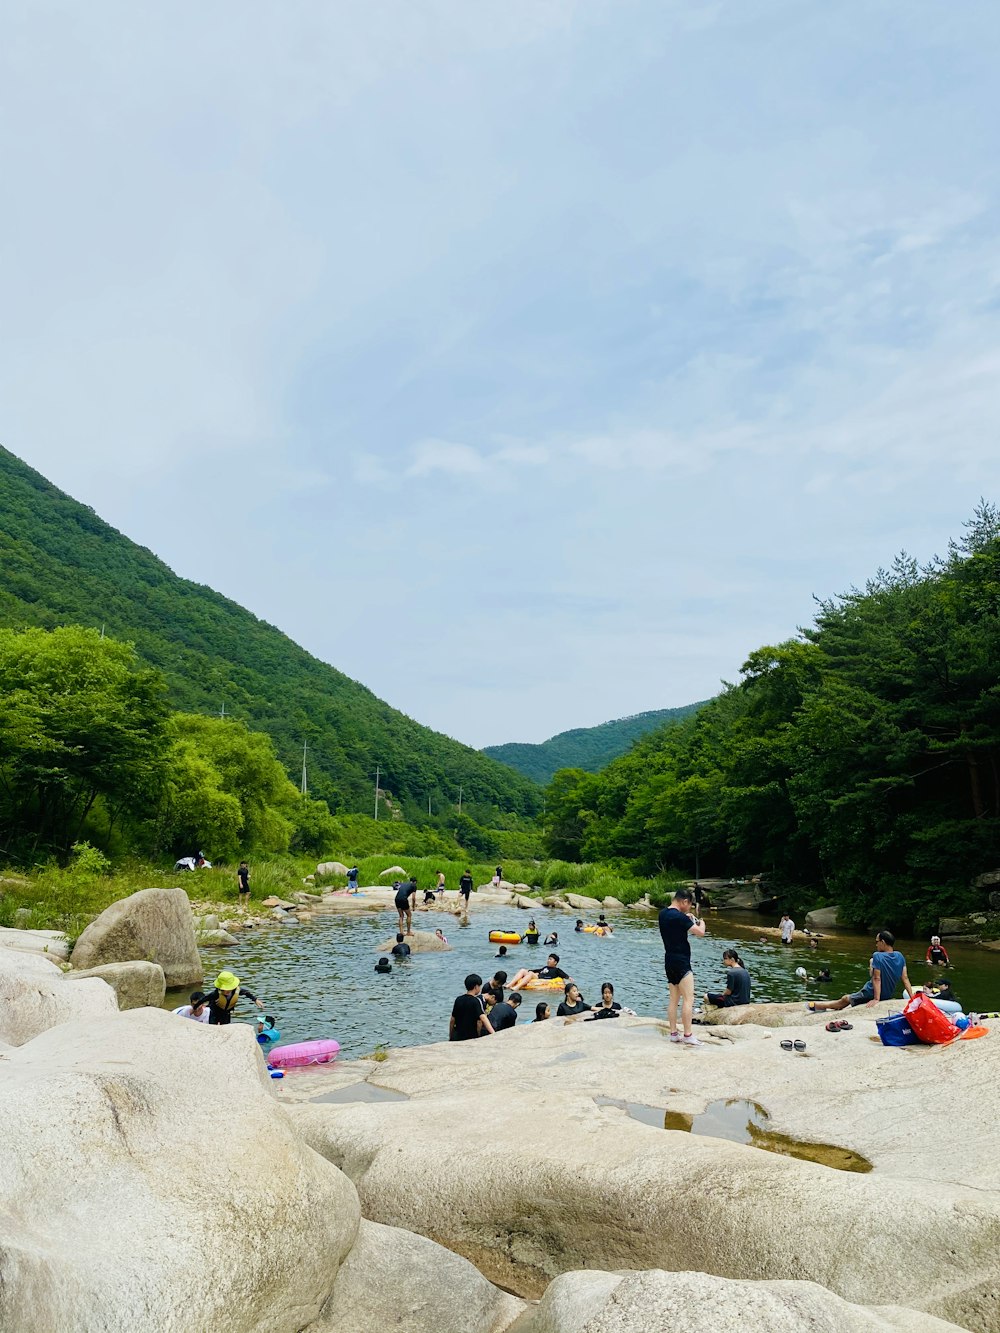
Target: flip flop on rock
798 1044
786 1045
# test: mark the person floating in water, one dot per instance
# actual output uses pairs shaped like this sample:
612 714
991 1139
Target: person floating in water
501 952
550 972
224 998
400 949
937 954
553 938
441 935
383 965
579 925
676 923
737 983
531 934
888 969
603 924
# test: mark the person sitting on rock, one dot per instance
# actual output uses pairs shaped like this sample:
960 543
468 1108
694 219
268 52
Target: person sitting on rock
196 1009
550 972
542 1012
429 897
737 982
888 969
383 965
609 1006
224 998
400 949
572 1002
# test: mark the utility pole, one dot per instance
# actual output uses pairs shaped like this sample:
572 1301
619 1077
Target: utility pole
222 710
459 799
428 802
305 785
377 771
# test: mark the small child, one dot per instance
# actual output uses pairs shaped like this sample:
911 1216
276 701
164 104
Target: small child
502 953
197 1009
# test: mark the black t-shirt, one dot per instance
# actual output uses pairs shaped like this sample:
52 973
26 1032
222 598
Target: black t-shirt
674 927
466 1011
401 950
738 984
502 1016
243 874
492 989
546 973
465 885
403 895
936 954
612 1012
565 1009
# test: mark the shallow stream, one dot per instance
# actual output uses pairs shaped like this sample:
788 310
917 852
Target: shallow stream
318 978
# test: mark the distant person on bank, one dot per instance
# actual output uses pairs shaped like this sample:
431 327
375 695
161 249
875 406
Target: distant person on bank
888 969
468 1019
677 923
243 885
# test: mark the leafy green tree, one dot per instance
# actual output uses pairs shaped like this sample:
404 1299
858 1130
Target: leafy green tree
82 731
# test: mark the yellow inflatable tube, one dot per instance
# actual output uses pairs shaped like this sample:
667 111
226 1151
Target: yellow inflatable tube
504 937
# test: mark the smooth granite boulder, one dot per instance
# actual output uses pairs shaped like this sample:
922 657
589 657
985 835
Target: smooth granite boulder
135 984
153 925
35 995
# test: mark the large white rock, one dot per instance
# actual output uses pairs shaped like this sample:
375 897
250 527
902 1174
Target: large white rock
52 943
35 996
331 868
134 984
822 918
154 925
609 1192
150 1181
392 870
588 1302
581 903
396 1280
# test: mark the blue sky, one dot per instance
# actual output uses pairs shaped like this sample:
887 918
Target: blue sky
530 362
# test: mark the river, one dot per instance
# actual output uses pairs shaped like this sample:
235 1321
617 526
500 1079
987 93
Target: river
318 978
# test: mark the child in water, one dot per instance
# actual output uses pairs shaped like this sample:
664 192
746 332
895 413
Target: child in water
224 998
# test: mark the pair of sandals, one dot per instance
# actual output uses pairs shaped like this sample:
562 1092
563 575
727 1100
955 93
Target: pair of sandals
840 1025
797 1045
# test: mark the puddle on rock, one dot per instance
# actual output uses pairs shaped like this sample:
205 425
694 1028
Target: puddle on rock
361 1092
746 1122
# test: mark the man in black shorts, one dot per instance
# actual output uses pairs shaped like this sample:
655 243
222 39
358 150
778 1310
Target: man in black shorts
467 1017
676 924
405 894
464 889
243 884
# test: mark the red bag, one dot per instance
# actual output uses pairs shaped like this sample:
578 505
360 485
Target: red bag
933 1027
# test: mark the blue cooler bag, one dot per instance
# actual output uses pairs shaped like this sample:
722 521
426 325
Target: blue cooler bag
896 1031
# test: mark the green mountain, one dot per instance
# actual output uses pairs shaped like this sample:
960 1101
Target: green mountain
60 564
589 748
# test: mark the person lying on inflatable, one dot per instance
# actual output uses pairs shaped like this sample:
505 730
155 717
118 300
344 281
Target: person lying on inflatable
550 972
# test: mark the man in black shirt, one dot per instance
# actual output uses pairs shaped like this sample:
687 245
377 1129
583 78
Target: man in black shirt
676 923
467 1017
405 894
550 971
400 949
494 987
503 1015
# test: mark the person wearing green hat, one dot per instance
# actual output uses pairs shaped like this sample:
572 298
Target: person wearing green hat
223 999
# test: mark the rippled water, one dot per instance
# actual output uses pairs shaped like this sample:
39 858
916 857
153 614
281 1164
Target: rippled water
318 979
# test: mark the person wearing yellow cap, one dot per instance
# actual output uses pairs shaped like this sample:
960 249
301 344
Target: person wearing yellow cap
223 999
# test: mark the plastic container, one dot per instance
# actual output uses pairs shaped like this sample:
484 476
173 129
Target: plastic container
896 1031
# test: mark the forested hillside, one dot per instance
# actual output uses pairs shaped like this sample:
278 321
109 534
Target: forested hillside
862 759
589 748
60 564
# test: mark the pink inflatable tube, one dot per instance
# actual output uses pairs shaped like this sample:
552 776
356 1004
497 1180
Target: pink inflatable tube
304 1053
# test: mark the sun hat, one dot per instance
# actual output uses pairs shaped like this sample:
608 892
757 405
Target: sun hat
226 981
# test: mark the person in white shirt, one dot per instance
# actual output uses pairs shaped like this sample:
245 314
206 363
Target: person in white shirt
787 929
197 1009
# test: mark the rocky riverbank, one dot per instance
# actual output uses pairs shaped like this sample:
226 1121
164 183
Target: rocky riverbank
154 1177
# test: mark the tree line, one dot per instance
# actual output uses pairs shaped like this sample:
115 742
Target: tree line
859 761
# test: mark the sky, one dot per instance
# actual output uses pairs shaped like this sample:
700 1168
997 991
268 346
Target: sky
531 362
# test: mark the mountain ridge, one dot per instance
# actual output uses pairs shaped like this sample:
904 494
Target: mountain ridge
589 748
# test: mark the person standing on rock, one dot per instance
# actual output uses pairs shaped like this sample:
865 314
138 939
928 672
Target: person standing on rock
440 884
405 894
677 923
352 880
464 890
243 885
468 1018
498 877
224 998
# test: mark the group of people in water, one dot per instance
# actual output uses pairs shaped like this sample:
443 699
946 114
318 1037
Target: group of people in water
481 1010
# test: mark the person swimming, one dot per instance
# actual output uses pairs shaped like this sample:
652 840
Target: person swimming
502 953
531 934
579 925
383 965
605 925
553 938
